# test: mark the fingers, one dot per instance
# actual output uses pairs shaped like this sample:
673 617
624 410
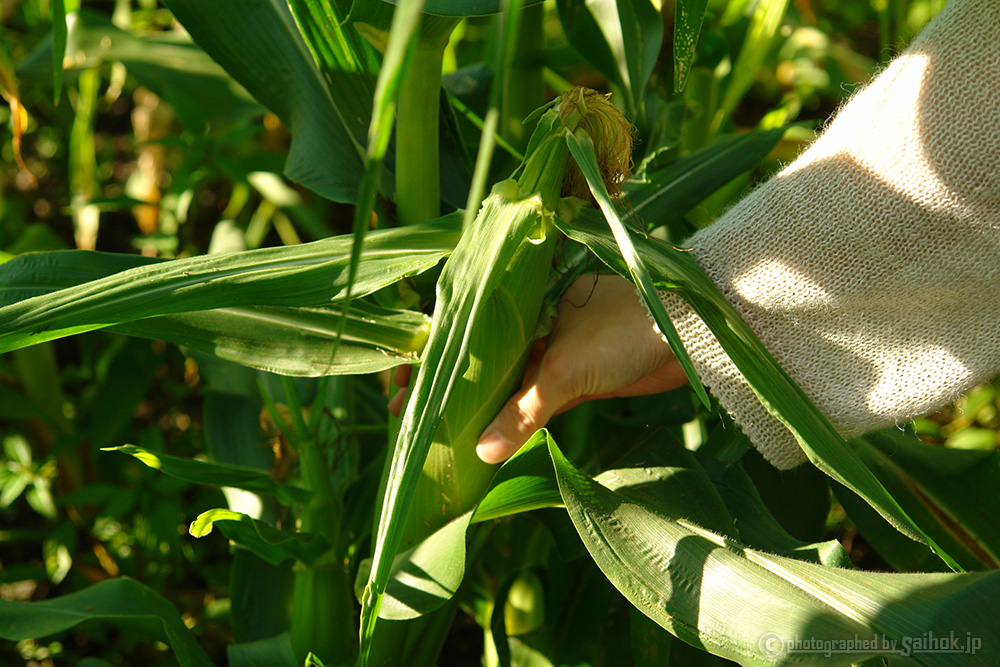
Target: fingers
396 402
527 411
401 378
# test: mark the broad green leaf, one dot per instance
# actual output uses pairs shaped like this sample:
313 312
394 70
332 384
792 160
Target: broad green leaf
123 602
667 193
688 17
258 43
582 148
347 61
271 652
672 268
658 470
216 474
296 341
748 605
305 275
266 541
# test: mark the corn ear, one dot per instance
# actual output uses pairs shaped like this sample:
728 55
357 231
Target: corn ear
488 300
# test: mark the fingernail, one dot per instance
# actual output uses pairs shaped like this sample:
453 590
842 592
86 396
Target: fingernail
494 448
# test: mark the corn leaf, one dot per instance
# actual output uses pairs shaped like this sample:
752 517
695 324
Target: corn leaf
748 606
171 66
778 393
258 43
760 530
124 602
305 275
426 575
763 28
347 61
664 194
504 54
405 23
524 482
216 474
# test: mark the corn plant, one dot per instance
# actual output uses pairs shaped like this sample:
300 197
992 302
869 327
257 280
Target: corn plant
371 557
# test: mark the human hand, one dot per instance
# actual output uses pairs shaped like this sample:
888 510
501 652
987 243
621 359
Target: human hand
602 346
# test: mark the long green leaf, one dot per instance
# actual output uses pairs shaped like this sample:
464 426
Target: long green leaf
425 576
764 25
258 43
582 148
123 602
751 606
216 474
778 393
306 275
347 61
405 23
949 491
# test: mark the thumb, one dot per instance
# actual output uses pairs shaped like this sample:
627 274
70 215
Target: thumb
524 413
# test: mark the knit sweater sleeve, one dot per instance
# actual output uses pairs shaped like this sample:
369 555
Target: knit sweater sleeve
870 266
